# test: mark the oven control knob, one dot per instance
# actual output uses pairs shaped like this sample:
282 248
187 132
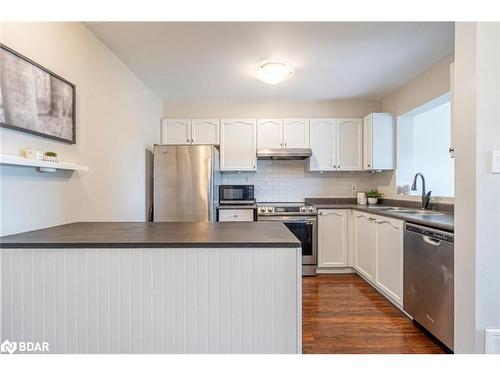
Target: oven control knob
302 209
270 209
311 209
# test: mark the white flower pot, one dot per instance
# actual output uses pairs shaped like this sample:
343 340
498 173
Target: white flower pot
50 158
372 200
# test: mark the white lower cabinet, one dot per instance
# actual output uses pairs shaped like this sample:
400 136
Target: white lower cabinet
389 257
378 252
364 250
332 238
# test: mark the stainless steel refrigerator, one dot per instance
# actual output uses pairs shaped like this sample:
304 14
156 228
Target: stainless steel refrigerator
185 180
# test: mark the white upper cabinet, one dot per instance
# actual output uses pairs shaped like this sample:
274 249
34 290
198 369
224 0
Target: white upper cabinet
187 131
278 133
296 133
322 139
205 131
238 144
176 131
349 144
389 257
332 238
336 144
270 133
379 146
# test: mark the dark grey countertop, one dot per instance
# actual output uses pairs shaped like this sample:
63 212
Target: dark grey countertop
445 222
154 235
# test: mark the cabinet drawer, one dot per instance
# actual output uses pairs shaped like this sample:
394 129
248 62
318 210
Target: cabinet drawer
236 215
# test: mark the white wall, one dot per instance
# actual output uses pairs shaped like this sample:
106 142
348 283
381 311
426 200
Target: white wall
423 142
477 207
432 138
117 119
270 109
432 83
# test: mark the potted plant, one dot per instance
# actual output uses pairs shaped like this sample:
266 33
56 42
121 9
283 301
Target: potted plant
50 156
373 196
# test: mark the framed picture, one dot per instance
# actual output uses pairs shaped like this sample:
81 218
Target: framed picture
34 99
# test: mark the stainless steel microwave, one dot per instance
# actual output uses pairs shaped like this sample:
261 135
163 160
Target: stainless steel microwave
236 194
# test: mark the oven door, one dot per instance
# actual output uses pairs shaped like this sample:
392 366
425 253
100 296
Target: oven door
304 228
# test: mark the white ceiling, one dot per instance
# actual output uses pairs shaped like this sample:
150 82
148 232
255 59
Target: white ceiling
332 60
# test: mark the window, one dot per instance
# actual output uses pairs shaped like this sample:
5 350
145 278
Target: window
424 138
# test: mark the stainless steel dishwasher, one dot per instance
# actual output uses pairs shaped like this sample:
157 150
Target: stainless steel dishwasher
428 280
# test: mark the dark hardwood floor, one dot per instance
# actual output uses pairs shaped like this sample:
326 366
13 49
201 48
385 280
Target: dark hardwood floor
344 314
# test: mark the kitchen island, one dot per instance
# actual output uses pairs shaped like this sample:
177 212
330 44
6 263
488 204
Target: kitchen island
129 287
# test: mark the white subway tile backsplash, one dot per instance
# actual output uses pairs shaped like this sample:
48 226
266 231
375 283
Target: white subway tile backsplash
289 180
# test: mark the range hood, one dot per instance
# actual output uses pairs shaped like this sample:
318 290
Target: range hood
283 153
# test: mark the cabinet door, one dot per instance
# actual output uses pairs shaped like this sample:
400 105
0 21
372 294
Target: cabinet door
205 131
296 132
389 257
367 142
270 133
238 144
364 249
349 144
383 148
332 238
322 138
176 131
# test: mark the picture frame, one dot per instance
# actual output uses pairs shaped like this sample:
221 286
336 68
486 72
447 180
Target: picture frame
34 99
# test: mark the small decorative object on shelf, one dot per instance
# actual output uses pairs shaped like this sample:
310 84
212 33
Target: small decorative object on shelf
373 196
50 156
29 153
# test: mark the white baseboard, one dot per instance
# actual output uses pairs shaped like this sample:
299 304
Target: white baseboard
335 270
492 341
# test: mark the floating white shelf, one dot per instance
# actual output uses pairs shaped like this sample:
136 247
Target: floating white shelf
43 166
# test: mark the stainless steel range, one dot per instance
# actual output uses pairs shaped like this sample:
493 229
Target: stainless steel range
301 219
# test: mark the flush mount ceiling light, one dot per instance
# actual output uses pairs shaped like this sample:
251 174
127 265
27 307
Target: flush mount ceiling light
272 72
